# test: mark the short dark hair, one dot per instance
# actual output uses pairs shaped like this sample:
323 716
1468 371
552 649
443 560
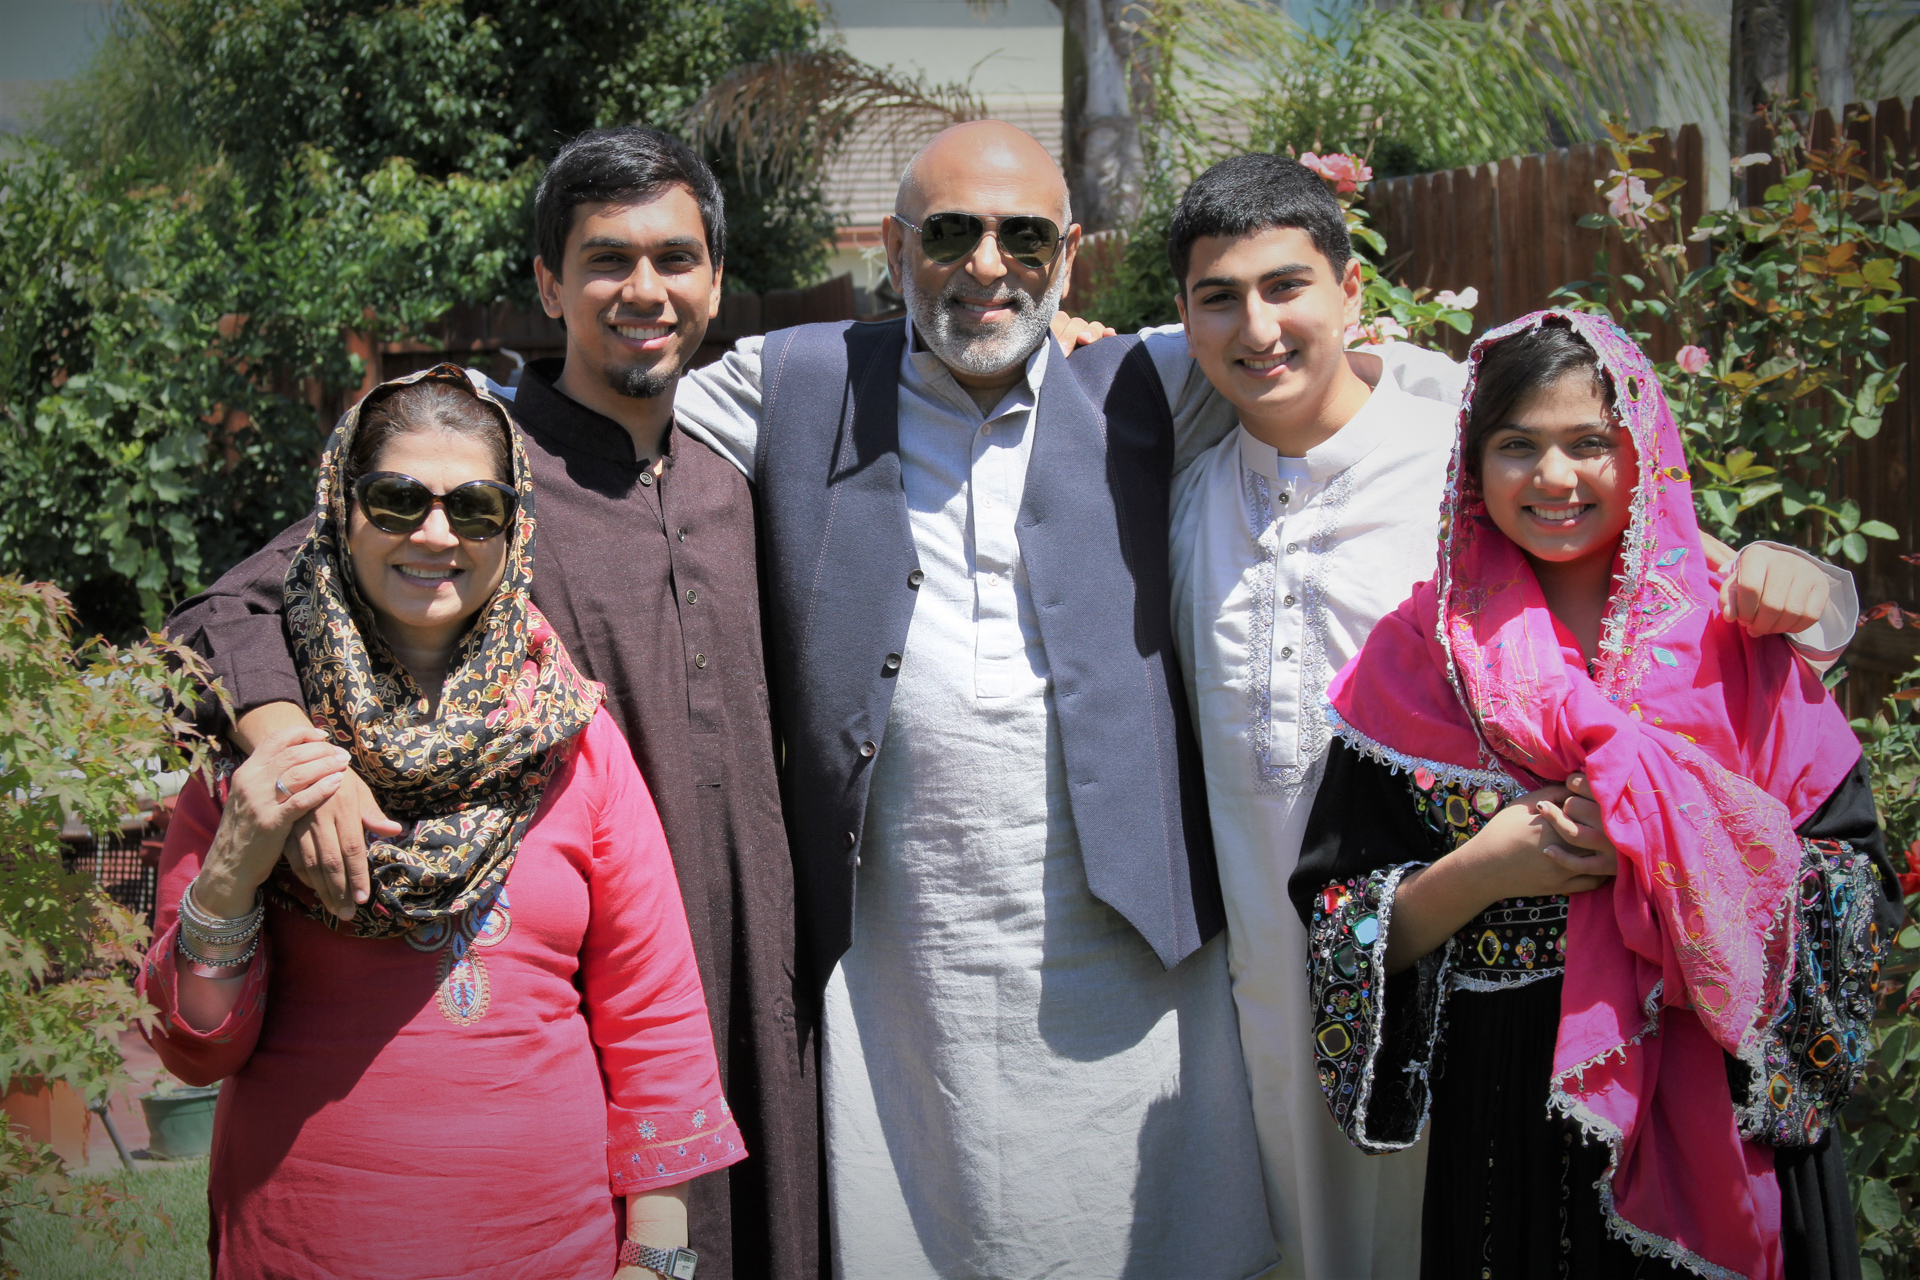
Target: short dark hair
1251 193
431 404
1515 368
628 163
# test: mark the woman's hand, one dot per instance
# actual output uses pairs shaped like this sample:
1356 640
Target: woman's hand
287 777
1548 842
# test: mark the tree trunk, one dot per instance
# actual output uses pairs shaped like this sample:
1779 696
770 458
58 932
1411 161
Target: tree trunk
1832 49
1756 63
1108 78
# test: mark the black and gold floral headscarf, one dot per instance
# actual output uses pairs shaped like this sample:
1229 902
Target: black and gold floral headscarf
466 781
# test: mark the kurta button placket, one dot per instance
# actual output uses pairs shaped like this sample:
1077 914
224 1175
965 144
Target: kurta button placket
1290 602
1292 547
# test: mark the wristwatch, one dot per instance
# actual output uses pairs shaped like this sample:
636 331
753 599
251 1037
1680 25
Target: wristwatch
675 1264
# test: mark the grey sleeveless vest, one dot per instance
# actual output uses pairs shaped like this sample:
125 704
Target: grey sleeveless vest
838 558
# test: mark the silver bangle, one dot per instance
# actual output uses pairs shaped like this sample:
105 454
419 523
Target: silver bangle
238 960
217 931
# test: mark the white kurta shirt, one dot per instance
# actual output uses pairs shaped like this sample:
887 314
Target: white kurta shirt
1013 1085
1281 567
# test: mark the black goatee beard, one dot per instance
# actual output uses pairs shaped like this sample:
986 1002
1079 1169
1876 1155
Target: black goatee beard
642 384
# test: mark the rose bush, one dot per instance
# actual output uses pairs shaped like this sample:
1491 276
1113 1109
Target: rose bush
1783 367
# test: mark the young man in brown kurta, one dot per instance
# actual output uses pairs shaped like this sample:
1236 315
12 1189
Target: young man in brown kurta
645 564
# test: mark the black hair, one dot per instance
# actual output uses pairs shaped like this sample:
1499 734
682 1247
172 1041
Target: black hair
1515 368
431 404
625 164
1251 193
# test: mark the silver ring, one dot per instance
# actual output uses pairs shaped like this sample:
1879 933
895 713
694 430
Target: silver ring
281 789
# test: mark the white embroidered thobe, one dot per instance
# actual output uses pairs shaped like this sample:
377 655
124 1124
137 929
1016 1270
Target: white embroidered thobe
1281 566
1013 1086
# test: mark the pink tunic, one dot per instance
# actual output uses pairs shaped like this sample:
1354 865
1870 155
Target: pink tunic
396 1110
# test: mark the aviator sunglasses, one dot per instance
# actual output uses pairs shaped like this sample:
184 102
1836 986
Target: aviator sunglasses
946 238
396 503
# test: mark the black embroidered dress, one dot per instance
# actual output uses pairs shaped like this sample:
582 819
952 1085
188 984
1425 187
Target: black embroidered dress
1467 1034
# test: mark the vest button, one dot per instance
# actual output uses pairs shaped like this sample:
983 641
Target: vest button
692 595
852 840
866 750
700 661
646 478
915 578
893 662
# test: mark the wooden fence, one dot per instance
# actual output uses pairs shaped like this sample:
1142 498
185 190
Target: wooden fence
1511 230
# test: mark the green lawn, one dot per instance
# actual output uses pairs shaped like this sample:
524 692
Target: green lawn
175 1194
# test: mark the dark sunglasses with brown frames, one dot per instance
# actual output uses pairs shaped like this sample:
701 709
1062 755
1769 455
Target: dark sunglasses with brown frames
398 503
1028 239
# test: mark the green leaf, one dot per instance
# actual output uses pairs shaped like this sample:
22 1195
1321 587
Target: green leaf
1865 426
1855 548
1867 1145
1879 1204
1870 1270
1877 529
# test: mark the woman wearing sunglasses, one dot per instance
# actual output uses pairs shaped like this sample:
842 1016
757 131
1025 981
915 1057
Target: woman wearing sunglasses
506 1052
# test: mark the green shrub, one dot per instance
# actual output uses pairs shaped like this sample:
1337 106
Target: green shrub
1882 1121
83 731
170 359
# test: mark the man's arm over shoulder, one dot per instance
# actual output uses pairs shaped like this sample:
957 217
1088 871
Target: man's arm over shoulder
235 626
1202 417
719 404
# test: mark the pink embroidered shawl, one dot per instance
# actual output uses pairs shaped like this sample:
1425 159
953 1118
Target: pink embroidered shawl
1706 749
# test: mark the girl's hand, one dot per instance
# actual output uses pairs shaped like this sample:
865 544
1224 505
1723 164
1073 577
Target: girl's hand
285 778
1547 842
1584 851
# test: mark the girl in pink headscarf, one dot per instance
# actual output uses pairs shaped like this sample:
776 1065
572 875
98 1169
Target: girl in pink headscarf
1594 877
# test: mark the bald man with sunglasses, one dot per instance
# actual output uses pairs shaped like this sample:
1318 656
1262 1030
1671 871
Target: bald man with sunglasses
1002 861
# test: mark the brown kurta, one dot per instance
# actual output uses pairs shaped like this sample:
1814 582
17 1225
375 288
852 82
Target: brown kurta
653 586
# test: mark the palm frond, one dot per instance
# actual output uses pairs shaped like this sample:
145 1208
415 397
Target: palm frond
1461 90
792 113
